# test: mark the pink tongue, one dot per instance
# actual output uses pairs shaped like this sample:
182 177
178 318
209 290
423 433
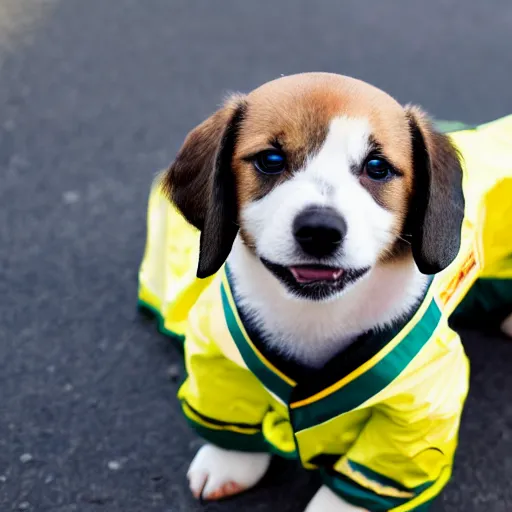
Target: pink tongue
309 274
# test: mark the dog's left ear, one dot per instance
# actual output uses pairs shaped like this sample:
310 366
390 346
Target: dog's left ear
437 207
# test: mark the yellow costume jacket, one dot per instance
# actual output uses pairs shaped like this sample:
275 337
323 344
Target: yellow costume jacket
380 422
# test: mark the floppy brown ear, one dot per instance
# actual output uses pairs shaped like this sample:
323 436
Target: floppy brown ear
201 183
437 206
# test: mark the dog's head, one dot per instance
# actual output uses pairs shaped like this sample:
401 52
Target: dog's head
324 177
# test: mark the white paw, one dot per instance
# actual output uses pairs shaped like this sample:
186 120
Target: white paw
506 326
216 473
326 501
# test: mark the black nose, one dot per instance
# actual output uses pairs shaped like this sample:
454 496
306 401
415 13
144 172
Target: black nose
319 231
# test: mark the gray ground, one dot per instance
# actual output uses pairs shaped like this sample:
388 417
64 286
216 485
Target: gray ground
95 97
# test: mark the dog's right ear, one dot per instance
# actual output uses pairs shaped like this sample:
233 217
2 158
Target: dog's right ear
201 183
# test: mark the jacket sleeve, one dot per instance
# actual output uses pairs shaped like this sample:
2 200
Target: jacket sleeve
403 456
221 400
395 467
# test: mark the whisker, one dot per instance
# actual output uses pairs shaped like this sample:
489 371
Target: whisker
403 239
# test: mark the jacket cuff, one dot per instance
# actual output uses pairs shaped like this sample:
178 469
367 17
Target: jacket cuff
245 438
372 491
360 496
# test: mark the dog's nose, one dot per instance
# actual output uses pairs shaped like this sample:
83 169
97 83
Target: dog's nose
319 231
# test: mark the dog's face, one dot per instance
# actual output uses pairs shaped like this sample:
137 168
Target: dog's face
325 177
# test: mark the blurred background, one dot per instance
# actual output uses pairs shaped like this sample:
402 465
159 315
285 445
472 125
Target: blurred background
95 97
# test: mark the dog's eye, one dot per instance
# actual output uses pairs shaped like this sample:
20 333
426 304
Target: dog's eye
270 162
378 169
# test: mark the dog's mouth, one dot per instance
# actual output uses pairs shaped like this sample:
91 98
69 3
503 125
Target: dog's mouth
315 274
314 282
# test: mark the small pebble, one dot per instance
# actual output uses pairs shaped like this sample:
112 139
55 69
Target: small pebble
114 465
49 479
24 505
68 387
3 478
25 458
71 197
173 372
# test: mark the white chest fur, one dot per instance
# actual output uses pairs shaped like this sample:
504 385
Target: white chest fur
312 332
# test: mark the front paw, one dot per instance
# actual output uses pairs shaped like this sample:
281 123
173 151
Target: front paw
326 501
216 473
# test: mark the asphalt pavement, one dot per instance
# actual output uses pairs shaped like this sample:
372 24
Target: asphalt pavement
95 97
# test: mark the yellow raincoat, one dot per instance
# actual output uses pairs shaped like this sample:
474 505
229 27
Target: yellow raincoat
381 422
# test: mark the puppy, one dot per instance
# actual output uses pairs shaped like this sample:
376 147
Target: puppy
325 337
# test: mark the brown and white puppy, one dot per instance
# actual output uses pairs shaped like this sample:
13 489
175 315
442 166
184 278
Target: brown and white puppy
332 202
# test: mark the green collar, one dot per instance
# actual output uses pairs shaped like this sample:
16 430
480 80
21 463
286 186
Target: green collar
349 380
